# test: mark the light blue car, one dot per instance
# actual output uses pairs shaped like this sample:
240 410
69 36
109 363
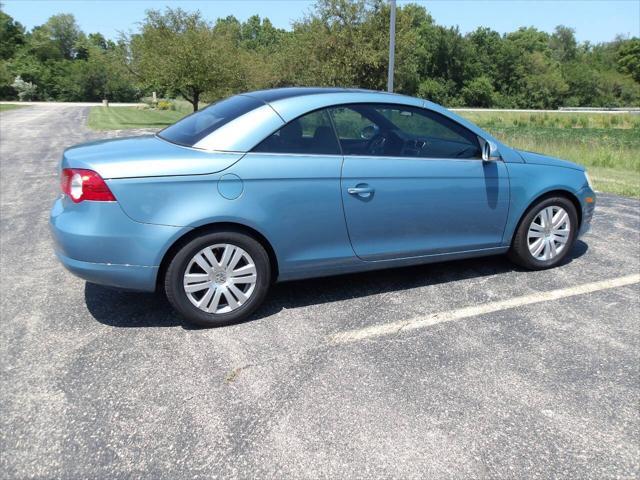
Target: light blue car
294 183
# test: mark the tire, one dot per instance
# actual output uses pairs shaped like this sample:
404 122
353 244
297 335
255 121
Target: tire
238 297
520 252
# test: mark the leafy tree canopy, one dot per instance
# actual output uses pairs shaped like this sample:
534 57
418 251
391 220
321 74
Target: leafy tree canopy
338 43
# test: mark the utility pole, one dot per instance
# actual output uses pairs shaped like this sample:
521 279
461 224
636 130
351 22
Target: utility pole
392 46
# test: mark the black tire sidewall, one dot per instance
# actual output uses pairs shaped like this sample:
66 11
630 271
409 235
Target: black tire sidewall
520 250
175 273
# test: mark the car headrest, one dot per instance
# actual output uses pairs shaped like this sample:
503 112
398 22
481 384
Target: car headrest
291 133
323 134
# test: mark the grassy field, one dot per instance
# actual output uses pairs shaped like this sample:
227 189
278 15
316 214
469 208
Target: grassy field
4 106
118 118
608 144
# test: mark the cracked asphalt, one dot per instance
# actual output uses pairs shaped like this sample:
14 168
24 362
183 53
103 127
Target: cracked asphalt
98 383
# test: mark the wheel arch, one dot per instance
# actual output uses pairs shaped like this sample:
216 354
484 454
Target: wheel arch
568 194
216 227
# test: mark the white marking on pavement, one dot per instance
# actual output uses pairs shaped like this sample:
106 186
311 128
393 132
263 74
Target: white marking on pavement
475 310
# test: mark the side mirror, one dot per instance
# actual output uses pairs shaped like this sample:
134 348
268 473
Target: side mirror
486 152
489 151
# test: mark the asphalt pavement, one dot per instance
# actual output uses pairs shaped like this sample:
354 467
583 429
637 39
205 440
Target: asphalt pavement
467 369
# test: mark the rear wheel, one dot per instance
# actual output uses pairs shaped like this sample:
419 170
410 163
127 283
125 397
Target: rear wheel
218 278
546 234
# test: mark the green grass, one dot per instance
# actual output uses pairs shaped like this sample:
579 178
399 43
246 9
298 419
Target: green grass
9 106
121 118
118 118
608 145
555 120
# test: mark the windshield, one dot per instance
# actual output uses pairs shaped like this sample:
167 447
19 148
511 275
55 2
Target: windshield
193 128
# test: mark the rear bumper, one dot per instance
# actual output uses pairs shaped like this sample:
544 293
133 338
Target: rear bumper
129 277
99 243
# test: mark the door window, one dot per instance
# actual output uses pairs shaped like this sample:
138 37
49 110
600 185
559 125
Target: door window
310 134
401 131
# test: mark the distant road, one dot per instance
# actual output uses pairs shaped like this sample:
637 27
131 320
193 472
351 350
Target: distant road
72 104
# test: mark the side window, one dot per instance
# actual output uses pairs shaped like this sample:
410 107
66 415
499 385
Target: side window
402 131
310 134
350 124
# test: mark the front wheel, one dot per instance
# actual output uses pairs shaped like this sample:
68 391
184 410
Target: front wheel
218 278
546 234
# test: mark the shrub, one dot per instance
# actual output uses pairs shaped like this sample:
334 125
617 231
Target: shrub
478 92
165 105
437 90
26 90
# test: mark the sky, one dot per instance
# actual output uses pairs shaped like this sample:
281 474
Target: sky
593 20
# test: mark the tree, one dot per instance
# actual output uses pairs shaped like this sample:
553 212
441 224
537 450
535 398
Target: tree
339 43
438 90
98 76
628 57
260 34
6 80
478 92
56 39
529 39
415 34
563 44
180 52
486 45
11 36
543 85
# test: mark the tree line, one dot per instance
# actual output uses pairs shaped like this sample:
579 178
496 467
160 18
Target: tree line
340 43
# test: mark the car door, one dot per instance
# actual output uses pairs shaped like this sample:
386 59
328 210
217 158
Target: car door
292 194
413 183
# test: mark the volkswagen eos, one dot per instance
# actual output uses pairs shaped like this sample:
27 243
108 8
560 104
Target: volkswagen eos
294 183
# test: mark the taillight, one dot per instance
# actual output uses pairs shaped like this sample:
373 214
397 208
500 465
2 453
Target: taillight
79 185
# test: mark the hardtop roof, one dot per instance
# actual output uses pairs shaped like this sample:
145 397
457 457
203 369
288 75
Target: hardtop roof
276 94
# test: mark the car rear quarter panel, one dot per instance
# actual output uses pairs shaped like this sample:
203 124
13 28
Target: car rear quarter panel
292 200
100 232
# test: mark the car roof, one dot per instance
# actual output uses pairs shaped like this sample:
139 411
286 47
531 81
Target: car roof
282 105
275 94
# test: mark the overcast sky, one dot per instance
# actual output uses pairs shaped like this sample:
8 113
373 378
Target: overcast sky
593 20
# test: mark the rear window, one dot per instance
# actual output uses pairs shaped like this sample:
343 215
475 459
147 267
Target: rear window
193 128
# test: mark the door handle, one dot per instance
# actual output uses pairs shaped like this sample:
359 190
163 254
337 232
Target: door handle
362 190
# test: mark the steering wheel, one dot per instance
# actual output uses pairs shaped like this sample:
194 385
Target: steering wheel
376 144
413 148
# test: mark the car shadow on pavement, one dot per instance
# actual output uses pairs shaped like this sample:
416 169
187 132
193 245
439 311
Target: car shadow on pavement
120 308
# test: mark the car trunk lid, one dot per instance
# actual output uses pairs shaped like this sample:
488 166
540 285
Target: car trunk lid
145 156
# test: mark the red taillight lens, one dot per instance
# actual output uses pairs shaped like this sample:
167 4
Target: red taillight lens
79 185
